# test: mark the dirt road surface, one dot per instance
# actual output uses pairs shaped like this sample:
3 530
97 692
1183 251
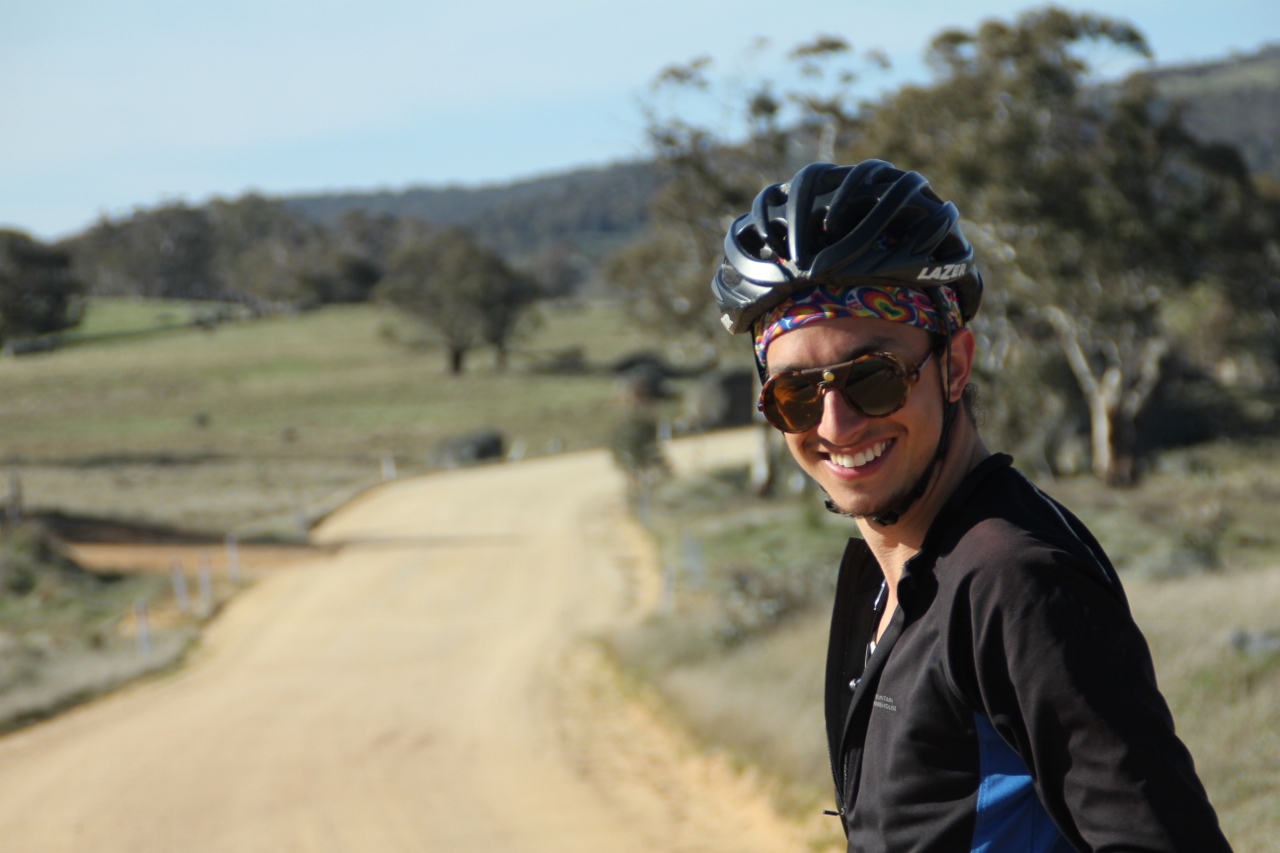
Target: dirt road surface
424 689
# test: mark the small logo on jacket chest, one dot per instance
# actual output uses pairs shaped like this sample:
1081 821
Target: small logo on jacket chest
885 702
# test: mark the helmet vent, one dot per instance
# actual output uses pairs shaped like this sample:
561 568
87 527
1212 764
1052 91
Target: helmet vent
831 181
841 220
948 248
927 192
777 238
730 276
899 228
751 242
817 226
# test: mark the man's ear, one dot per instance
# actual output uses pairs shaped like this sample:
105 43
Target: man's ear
963 348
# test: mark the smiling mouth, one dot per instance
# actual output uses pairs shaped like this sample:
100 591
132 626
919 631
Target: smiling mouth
862 457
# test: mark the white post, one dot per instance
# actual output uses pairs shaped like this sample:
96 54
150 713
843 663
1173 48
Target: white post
205 575
517 450
179 585
15 497
142 628
760 463
233 558
300 520
642 499
694 563
668 601
664 432
388 467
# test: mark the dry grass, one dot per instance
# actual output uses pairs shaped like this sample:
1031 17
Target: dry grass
68 677
1226 702
1206 507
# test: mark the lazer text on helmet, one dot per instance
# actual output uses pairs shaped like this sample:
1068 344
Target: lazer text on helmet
942 273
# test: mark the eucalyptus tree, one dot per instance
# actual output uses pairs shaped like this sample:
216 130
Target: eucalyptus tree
168 252
1095 208
711 170
464 291
39 292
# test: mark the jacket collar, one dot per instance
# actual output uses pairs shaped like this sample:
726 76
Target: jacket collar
921 564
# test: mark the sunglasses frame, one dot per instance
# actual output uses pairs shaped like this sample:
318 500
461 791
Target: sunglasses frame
835 377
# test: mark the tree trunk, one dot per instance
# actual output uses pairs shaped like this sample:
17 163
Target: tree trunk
1113 435
1103 394
1124 450
500 358
1100 435
1114 399
457 357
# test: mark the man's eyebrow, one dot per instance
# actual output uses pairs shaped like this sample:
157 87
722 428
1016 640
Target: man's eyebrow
866 348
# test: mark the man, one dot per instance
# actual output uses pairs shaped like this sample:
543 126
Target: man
987 688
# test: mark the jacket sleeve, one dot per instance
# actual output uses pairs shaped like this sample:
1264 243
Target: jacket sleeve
1056 663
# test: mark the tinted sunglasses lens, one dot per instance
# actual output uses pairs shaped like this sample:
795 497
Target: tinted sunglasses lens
792 404
875 388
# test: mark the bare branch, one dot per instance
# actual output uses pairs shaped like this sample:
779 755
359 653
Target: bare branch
1148 377
1066 329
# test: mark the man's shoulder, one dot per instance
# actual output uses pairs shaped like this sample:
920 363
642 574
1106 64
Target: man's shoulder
1007 531
997 510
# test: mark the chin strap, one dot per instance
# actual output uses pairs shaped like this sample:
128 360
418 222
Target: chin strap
891 516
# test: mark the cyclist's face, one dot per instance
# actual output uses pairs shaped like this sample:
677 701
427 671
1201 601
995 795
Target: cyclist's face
866 465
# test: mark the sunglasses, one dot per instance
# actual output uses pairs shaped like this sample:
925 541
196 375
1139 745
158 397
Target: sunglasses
874 385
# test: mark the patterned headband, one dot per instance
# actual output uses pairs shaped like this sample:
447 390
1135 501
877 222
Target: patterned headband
883 301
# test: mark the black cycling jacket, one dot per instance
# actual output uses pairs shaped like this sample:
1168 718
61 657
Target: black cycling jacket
1011 703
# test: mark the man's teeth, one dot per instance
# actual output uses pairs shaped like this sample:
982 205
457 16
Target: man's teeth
862 457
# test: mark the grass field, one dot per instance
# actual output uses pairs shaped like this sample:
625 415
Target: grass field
740 656
119 315
244 426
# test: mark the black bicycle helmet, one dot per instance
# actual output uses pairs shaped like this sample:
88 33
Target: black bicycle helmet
836 224
839 225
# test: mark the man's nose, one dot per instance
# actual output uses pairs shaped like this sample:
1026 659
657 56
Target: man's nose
840 421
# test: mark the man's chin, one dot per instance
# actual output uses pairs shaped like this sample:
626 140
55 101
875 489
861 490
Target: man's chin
864 506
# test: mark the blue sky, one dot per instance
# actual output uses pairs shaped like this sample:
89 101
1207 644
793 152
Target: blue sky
110 104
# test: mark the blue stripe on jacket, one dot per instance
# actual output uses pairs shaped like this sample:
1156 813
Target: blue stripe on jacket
1010 815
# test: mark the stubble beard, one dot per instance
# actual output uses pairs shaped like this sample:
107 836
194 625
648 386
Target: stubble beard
875 510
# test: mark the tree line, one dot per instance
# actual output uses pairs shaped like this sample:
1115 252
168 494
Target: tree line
257 252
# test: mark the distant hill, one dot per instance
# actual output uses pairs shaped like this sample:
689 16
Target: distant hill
1235 100
595 209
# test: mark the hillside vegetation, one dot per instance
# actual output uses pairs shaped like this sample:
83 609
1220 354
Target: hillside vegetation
593 209
244 425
